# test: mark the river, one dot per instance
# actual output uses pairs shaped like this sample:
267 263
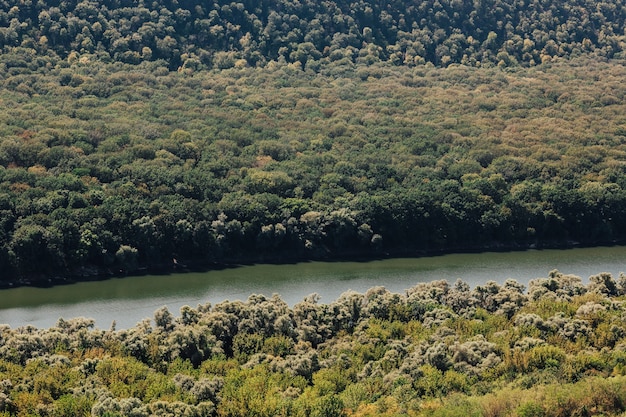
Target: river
132 299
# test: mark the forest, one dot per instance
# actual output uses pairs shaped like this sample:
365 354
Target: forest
145 136
556 349
139 136
223 34
109 168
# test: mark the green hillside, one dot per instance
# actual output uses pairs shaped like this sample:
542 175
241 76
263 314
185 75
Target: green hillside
138 136
220 34
108 167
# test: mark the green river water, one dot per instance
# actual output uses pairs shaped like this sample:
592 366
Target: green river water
132 299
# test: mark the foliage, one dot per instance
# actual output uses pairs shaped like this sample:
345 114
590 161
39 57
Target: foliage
353 357
183 169
193 35
175 135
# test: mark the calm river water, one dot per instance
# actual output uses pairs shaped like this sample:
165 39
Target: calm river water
130 300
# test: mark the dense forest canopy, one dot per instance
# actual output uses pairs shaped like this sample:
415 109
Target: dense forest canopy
108 167
220 34
135 134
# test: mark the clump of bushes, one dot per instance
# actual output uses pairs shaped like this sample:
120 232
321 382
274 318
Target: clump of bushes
436 349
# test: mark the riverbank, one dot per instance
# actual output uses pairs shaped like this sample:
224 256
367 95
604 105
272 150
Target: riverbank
175 266
431 350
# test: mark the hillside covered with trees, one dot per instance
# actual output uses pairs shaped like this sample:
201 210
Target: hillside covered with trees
136 135
558 349
109 167
223 34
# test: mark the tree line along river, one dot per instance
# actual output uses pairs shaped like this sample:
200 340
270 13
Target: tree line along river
132 299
